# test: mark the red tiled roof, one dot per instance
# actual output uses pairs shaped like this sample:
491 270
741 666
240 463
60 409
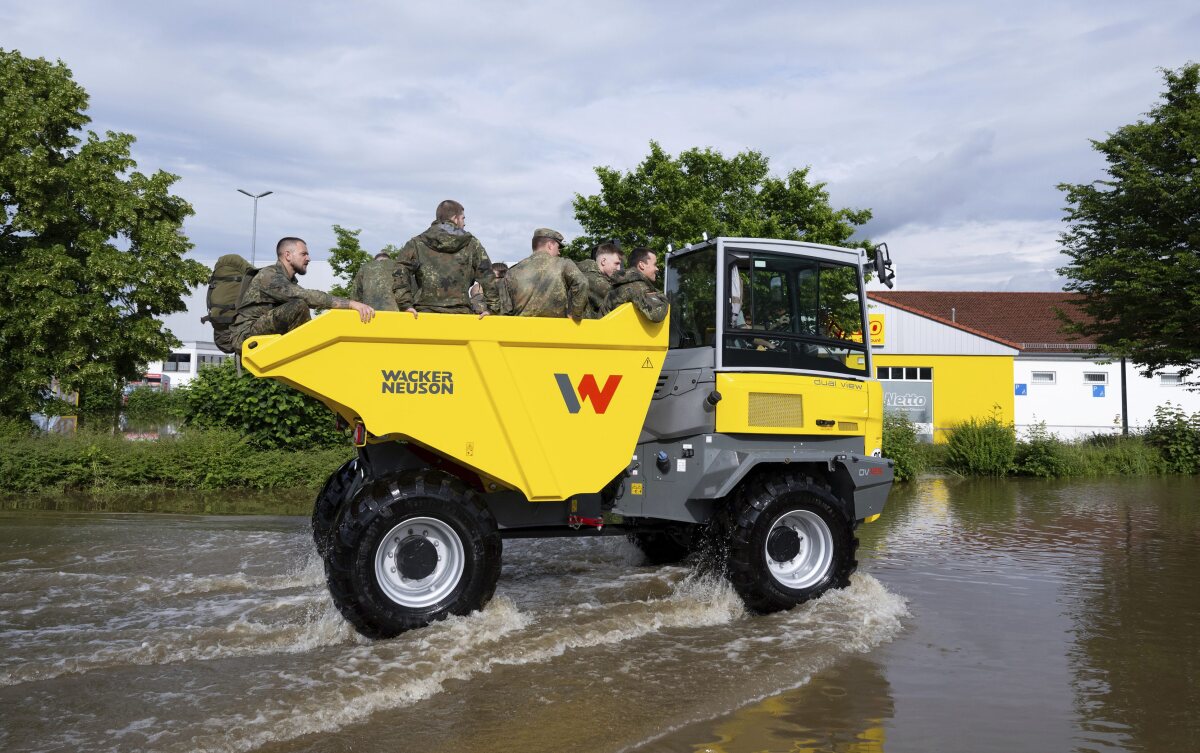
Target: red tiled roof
1027 321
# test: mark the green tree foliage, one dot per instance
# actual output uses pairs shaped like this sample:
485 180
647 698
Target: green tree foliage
345 258
676 199
267 413
348 256
1134 240
91 251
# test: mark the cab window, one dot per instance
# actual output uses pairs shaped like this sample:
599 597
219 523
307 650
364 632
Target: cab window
787 312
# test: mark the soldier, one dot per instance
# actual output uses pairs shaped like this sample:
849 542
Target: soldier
374 283
274 304
441 264
636 284
599 271
499 269
544 283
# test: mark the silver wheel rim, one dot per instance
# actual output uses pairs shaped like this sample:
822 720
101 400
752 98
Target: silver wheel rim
812 562
451 561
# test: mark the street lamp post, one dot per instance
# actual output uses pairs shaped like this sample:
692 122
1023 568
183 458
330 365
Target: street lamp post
254 227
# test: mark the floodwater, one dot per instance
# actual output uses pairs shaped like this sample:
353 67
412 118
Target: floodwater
986 616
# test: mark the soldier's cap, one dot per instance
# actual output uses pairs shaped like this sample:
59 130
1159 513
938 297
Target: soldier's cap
545 232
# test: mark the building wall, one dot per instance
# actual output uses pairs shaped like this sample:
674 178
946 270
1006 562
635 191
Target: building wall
198 355
963 387
1073 407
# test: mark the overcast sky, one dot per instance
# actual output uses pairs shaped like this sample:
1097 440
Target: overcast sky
953 122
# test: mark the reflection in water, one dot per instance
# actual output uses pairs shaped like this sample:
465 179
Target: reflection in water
842 710
1136 658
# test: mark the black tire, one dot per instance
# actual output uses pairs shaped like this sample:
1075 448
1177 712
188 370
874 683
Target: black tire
339 488
789 542
412 549
668 546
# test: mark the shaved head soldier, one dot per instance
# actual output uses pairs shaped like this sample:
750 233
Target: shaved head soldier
274 304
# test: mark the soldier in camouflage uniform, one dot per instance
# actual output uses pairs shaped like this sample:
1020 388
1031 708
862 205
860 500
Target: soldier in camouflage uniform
599 271
544 283
636 285
441 264
375 282
274 304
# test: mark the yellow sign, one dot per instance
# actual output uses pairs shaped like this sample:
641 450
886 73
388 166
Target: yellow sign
875 322
635 489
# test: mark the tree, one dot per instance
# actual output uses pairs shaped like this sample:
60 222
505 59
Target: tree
348 256
345 258
676 199
1134 240
91 251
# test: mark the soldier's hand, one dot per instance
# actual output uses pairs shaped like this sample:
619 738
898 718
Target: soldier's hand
484 313
365 312
412 311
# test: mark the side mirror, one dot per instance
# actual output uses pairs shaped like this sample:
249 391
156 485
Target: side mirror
883 265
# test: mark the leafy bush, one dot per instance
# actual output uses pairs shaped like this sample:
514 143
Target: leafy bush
1042 454
267 413
217 459
981 447
1177 437
900 445
148 402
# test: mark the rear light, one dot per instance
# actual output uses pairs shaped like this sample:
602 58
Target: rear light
360 434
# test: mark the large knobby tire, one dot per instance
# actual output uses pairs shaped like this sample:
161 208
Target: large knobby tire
668 546
789 542
412 549
339 488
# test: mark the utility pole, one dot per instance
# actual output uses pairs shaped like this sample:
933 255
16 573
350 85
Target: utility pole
254 227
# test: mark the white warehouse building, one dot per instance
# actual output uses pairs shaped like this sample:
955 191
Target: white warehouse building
1059 380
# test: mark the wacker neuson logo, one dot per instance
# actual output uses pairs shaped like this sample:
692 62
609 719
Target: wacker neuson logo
418 382
588 391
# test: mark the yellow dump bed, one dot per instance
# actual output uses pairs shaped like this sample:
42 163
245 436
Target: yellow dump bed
549 407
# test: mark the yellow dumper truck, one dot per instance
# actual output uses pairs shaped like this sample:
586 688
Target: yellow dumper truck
748 421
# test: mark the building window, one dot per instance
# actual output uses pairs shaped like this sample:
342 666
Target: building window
1042 377
1170 379
207 360
1095 377
178 362
906 373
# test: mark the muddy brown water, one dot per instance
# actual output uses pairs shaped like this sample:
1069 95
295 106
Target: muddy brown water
986 616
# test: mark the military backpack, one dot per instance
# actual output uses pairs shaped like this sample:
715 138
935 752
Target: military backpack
230 277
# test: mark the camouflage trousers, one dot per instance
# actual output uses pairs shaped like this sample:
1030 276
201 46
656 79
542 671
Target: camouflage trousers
278 321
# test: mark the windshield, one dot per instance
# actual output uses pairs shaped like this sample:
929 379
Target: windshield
789 312
691 288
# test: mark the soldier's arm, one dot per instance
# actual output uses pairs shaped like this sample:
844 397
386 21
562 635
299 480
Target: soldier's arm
487 279
406 270
577 290
652 304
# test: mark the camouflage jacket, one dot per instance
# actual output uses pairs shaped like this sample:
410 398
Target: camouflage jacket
545 285
442 262
633 286
599 284
374 284
272 287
